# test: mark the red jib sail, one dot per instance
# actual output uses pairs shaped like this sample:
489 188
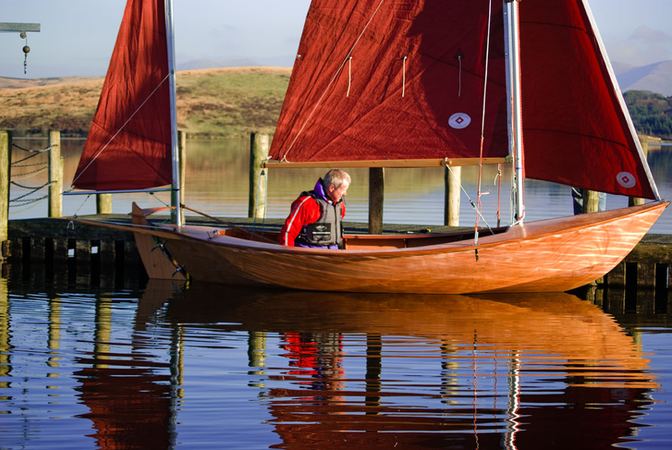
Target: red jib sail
395 80
129 143
576 128
385 80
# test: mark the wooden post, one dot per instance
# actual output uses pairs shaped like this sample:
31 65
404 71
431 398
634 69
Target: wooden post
634 201
259 146
182 150
591 201
376 199
5 174
103 203
55 175
452 177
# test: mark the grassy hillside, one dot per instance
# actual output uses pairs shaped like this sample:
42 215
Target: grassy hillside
211 102
215 102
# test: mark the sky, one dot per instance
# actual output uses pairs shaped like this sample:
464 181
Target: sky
77 36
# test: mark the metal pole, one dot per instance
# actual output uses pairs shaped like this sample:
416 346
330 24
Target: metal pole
175 197
514 107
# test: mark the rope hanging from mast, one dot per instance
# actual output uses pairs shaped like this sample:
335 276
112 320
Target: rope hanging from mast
482 141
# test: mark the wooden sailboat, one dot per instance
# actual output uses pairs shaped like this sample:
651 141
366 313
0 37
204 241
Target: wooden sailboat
396 84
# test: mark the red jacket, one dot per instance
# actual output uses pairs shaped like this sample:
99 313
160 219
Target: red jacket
304 211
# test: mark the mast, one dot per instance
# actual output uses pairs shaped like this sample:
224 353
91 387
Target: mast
514 109
170 45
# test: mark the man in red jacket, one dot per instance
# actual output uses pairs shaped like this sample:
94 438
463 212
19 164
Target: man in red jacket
316 217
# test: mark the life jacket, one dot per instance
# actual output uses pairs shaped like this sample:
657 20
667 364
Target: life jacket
328 229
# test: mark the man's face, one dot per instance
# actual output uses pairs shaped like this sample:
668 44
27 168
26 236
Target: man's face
337 193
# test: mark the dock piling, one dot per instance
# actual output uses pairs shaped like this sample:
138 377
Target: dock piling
55 175
644 141
259 147
451 209
376 199
5 167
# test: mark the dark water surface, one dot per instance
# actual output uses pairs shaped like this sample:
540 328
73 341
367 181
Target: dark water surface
93 362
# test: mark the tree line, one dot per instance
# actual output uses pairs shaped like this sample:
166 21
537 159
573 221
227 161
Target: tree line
651 113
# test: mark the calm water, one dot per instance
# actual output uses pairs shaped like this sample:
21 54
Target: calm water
93 361
88 362
217 183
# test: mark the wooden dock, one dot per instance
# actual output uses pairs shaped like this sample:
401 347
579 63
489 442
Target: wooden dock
61 240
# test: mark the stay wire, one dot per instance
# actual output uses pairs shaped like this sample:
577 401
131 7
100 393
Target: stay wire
482 140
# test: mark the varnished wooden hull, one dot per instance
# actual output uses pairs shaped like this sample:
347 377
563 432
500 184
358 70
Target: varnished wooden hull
544 256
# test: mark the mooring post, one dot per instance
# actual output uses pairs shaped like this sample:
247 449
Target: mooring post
644 140
103 203
259 146
591 201
55 175
5 171
376 199
452 178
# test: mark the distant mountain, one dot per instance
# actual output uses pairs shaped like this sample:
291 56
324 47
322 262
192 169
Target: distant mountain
656 77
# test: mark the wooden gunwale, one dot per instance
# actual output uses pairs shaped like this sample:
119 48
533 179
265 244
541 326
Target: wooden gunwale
526 232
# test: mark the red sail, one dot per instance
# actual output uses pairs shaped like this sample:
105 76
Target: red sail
129 143
395 80
576 129
381 80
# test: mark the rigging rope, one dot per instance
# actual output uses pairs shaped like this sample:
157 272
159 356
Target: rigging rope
331 82
482 142
472 203
36 188
403 77
31 192
347 93
32 172
29 150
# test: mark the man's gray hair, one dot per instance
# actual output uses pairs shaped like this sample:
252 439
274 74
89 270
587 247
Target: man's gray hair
336 177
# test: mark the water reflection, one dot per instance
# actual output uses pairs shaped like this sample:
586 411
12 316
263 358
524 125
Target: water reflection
206 365
436 370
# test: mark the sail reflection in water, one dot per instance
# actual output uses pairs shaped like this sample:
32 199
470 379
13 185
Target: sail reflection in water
209 367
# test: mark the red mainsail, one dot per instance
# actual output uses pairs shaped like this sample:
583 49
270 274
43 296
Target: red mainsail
395 80
401 79
129 143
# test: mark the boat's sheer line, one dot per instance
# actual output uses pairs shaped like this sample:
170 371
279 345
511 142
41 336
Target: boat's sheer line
331 82
121 128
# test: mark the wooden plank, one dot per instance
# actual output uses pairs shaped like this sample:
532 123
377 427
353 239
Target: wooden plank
381 163
11 27
37 250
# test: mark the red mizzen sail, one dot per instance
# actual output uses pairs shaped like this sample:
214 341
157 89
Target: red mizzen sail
394 80
576 129
129 143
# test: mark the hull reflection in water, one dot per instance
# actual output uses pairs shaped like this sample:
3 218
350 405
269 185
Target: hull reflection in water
207 367
371 370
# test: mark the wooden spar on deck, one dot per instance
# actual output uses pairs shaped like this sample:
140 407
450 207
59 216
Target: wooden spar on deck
400 163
